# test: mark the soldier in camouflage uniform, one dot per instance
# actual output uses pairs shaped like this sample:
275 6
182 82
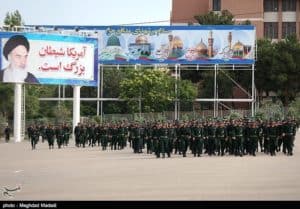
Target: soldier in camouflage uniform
273 136
211 132
50 133
197 136
221 135
239 141
35 136
253 137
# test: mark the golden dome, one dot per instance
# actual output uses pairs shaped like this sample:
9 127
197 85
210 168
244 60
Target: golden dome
141 39
201 48
238 46
177 43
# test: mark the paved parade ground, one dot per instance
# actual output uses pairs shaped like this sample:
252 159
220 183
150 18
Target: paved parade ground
73 173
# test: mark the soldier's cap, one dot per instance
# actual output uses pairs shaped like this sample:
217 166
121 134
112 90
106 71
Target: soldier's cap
13 42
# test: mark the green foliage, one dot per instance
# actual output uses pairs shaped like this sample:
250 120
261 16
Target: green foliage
294 109
3 124
234 115
225 86
214 18
246 22
154 88
264 69
278 68
7 100
13 19
96 119
161 117
286 69
62 112
33 105
270 110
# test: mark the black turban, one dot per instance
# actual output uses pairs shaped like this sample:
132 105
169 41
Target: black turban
13 42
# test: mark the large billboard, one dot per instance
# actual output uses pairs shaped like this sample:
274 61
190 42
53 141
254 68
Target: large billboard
228 44
48 59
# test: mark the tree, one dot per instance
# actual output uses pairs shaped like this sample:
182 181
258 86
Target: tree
32 103
154 89
13 19
286 66
214 18
264 66
294 110
7 100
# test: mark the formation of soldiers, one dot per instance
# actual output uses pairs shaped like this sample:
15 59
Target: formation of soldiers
49 133
223 137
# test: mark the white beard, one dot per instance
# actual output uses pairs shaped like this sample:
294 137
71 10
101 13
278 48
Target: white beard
14 75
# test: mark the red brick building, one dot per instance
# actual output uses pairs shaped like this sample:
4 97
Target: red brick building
273 18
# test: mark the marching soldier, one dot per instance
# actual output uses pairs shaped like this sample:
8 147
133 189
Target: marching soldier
104 134
211 132
197 135
66 134
83 135
29 131
7 133
239 141
155 138
90 134
42 132
59 136
253 137
261 136
184 139
273 134
149 139
221 136
34 136
97 131
77 134
289 132
50 136
163 140
231 136
266 128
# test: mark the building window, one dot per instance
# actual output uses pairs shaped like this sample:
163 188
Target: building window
271 30
289 5
270 5
216 5
288 28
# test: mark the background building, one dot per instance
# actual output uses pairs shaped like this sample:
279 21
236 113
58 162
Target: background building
273 19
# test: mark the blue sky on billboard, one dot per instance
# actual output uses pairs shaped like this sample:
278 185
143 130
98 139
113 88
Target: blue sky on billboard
89 12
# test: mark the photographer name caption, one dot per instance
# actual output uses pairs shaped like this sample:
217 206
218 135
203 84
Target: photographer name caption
29 205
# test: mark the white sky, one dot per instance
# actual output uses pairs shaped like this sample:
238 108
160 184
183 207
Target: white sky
88 12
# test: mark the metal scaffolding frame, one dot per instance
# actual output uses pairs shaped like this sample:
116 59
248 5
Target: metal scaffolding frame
178 68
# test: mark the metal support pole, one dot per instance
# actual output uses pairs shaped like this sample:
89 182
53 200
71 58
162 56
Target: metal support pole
101 91
64 91
17 112
252 94
217 93
23 113
98 90
59 96
176 103
76 106
178 100
215 90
